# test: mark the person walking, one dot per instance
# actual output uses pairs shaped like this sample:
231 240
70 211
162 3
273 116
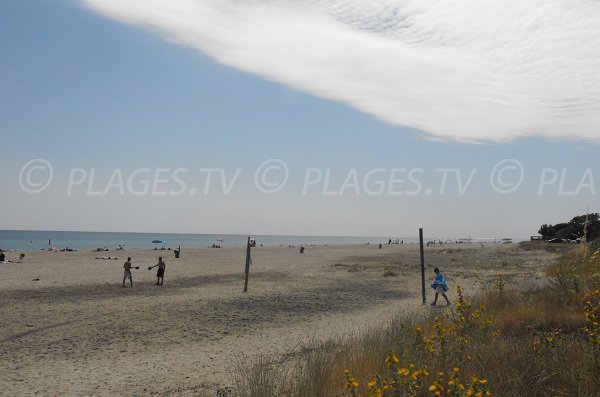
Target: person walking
440 287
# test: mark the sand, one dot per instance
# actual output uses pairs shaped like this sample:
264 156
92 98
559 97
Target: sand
70 329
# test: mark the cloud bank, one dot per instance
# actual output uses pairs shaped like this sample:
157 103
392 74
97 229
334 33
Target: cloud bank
467 70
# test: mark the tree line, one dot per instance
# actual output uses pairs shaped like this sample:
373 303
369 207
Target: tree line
581 226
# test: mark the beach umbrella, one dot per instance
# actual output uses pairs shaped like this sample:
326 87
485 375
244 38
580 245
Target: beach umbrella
156 242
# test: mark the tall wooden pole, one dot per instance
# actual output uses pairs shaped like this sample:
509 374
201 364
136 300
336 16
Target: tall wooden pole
247 265
422 264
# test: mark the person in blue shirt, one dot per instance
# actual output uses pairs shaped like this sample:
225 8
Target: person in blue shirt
440 287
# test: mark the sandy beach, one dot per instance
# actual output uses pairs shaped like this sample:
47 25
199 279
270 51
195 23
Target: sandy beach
70 328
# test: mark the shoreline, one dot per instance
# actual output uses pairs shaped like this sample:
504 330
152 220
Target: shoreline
22 240
169 250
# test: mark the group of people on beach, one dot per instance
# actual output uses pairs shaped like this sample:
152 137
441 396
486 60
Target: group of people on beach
160 273
439 284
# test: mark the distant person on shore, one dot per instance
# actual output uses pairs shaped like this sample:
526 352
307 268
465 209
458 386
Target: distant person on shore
160 273
127 273
2 256
440 287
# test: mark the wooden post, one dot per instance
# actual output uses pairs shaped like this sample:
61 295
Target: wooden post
422 264
247 265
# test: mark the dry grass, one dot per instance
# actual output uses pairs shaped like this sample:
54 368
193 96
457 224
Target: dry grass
505 341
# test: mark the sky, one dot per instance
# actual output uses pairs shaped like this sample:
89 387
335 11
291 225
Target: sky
369 118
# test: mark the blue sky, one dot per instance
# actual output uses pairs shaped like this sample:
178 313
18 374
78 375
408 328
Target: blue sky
83 91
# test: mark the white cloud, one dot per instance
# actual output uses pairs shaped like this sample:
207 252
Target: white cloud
469 70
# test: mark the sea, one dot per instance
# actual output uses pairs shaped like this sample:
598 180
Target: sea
18 240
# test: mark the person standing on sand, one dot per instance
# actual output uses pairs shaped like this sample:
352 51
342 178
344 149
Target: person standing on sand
440 287
160 273
127 272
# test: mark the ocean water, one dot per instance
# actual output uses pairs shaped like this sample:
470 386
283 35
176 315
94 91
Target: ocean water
38 240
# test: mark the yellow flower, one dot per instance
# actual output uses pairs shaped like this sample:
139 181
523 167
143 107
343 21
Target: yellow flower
456 370
392 358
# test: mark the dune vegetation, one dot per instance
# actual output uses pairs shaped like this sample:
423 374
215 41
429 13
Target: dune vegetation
503 341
